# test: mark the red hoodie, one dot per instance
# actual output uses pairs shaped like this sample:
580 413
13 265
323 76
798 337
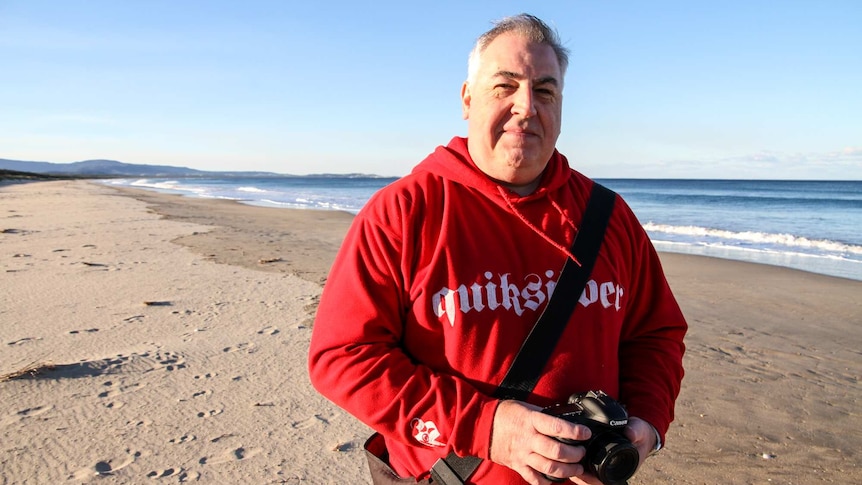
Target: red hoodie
440 278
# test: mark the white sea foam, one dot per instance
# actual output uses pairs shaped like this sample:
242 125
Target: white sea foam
302 204
757 238
832 265
160 184
166 186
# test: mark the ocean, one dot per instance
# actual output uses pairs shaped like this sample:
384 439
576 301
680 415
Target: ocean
814 226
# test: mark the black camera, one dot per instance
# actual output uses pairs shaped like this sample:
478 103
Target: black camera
610 455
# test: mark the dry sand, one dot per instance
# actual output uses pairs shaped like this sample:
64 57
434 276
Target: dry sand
179 349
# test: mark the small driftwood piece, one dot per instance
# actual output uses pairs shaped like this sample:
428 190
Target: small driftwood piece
157 303
30 370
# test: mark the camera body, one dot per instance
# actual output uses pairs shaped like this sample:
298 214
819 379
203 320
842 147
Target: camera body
610 455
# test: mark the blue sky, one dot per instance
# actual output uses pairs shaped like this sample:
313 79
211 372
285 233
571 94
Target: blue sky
732 89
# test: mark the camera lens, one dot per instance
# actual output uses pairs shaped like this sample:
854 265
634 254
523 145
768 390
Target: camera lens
620 465
612 458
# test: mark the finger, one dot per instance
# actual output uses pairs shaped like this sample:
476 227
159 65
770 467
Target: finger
553 469
556 450
559 428
585 480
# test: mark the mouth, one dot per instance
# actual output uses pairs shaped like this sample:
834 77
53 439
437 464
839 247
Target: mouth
520 131
520 134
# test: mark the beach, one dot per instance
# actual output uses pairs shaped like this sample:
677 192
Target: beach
148 336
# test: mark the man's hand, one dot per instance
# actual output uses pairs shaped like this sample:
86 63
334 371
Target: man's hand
522 439
642 435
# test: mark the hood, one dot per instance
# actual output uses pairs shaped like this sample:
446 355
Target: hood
453 162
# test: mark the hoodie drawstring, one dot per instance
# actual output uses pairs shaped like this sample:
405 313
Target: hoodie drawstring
565 250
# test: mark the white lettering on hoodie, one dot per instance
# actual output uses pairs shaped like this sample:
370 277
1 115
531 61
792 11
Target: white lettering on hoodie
499 291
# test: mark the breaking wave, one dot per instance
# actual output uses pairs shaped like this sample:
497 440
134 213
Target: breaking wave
758 239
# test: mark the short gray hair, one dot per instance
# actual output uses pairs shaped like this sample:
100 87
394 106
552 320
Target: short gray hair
525 25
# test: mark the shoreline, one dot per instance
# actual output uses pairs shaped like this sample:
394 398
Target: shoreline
210 385
773 240
282 245
332 226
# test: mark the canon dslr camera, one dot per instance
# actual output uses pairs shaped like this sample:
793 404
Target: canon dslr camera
610 455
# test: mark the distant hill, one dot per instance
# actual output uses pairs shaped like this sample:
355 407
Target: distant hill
16 176
113 168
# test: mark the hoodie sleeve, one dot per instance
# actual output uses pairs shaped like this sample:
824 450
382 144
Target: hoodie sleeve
356 357
651 345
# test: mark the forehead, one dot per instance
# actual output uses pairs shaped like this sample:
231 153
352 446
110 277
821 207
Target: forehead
512 52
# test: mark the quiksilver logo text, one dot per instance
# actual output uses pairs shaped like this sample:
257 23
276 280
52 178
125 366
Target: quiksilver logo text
498 291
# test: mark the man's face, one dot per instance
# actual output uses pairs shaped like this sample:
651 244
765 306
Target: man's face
513 109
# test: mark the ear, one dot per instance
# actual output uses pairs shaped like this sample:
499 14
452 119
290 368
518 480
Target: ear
466 97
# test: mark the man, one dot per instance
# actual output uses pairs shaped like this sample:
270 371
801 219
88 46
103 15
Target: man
444 272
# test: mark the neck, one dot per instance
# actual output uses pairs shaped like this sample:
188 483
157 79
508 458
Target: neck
525 189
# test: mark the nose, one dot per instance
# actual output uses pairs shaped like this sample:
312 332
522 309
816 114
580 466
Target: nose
523 103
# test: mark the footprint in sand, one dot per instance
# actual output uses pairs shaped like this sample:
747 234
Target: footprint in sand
166 472
188 476
36 411
183 439
25 414
269 330
170 361
106 467
235 454
197 394
210 413
143 362
118 390
248 347
138 424
309 422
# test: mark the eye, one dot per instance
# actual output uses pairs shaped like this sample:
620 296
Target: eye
546 93
503 90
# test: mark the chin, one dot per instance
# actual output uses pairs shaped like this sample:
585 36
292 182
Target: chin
526 161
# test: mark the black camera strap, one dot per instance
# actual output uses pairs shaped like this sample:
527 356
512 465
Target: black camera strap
527 367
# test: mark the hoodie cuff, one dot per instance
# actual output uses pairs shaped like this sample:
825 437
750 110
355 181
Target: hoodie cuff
483 431
658 443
